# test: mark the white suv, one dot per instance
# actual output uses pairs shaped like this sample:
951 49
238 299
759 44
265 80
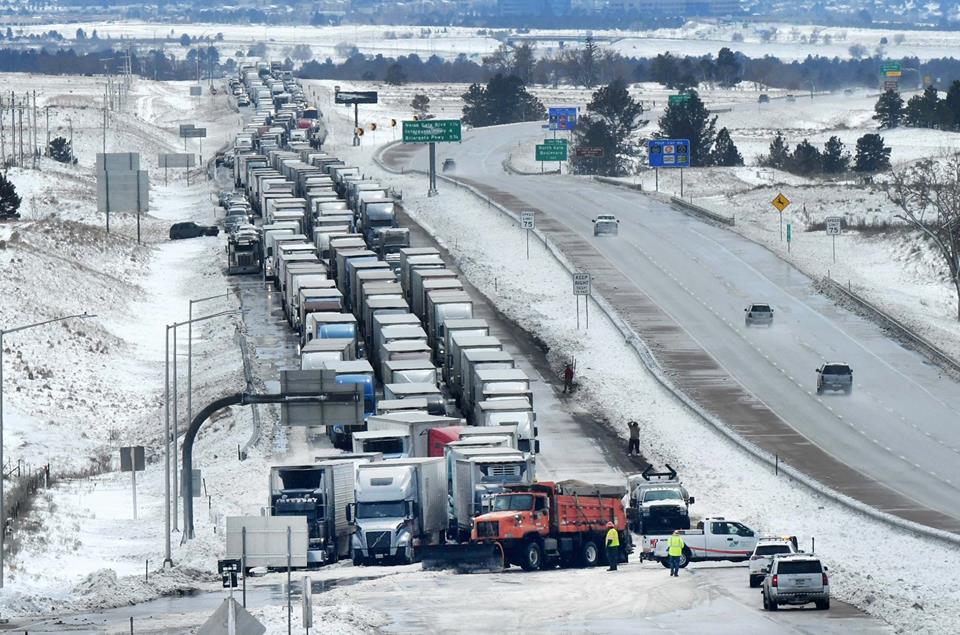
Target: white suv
763 553
796 579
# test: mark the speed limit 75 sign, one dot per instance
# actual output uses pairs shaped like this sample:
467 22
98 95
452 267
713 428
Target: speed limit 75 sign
527 220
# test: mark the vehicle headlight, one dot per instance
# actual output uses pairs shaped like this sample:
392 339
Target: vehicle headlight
403 539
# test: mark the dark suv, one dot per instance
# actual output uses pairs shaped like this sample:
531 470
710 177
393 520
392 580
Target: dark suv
835 376
191 230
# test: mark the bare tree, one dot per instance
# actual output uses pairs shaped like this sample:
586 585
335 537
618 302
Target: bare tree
928 195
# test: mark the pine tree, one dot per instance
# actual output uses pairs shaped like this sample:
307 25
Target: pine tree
922 110
727 68
872 154
612 118
779 153
806 159
502 100
725 152
889 109
588 62
948 111
420 104
395 75
834 159
690 120
60 150
9 200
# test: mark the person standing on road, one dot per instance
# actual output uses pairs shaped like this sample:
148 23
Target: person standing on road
633 448
613 546
675 546
568 379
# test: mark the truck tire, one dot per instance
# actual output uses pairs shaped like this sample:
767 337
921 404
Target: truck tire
823 605
755 581
684 558
589 553
531 556
665 562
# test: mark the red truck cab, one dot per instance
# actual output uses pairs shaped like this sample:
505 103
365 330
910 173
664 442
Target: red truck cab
438 438
548 524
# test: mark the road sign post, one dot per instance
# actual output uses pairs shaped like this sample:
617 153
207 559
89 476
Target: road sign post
789 236
355 97
562 118
582 287
780 202
668 153
834 226
432 132
528 222
132 460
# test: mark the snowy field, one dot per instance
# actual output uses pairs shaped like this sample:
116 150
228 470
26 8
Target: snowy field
788 42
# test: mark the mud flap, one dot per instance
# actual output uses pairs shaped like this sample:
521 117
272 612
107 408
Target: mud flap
464 558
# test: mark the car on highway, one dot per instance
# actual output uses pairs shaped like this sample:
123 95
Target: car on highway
606 224
179 231
835 376
758 313
763 99
762 556
449 165
796 579
243 100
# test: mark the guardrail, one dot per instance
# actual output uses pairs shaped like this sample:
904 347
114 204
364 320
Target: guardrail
633 339
703 212
920 343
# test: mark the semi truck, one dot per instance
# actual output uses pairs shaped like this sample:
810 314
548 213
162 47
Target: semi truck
416 425
321 492
400 506
657 502
518 413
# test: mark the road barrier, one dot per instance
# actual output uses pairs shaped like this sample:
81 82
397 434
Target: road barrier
649 361
919 343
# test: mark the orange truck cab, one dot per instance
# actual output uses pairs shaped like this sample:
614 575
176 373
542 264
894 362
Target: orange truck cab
548 524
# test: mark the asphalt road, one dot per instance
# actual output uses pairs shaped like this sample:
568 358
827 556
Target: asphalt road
893 443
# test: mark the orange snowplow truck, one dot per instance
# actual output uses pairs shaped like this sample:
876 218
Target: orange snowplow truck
549 524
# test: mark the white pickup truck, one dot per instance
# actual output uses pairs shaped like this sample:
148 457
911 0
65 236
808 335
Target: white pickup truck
713 539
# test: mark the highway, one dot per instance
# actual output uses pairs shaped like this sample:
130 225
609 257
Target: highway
683 284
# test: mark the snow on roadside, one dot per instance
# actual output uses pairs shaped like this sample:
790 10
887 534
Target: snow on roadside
617 387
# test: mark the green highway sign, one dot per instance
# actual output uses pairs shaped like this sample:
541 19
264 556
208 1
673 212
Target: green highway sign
554 142
432 131
553 152
682 98
890 66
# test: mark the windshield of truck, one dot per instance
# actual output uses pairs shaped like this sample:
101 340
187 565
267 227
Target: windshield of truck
769 550
661 495
382 509
799 566
379 214
387 446
513 503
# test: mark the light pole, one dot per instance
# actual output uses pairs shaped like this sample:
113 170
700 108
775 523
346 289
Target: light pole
3 519
167 559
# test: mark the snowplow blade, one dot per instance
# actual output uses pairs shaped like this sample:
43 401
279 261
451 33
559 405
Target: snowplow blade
465 558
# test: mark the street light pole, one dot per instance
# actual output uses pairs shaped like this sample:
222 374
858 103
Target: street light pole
3 516
167 439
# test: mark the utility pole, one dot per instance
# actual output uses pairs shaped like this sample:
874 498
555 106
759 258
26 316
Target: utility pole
46 110
34 128
3 140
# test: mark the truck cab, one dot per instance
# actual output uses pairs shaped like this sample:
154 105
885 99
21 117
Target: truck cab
714 539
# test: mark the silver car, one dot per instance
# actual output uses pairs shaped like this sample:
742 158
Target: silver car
796 579
758 314
835 376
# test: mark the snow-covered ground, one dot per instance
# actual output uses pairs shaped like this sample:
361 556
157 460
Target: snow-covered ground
789 42
77 391
616 386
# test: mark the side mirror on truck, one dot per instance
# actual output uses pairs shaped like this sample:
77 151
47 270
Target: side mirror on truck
351 508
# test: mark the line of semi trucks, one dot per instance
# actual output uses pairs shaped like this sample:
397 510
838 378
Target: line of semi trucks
443 466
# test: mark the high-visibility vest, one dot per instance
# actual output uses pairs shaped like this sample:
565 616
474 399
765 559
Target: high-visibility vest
675 546
613 538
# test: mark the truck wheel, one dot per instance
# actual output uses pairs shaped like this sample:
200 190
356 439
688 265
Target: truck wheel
665 562
684 559
823 605
754 581
357 559
589 554
532 556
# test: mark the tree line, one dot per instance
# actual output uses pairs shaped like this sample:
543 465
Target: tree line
926 110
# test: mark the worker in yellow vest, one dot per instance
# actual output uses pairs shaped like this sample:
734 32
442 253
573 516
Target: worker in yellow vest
675 546
613 546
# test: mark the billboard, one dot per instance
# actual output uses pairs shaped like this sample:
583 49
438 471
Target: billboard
123 191
355 97
562 118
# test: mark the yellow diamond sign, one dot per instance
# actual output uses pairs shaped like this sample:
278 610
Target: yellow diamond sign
780 202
